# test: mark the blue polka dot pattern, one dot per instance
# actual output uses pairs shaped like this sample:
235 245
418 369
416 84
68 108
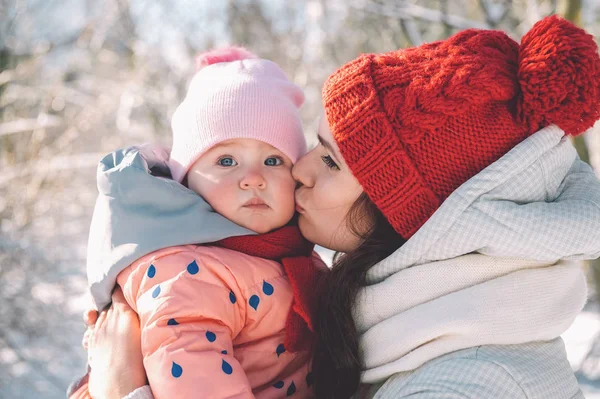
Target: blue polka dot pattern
267 288
254 301
226 367
151 271
224 352
176 370
172 322
310 379
280 349
210 336
232 297
193 268
156 291
278 384
291 389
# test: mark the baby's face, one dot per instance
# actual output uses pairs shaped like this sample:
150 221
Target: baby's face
247 181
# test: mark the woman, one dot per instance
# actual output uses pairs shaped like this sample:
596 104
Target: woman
444 174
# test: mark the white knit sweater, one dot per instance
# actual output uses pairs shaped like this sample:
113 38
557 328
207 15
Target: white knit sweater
494 265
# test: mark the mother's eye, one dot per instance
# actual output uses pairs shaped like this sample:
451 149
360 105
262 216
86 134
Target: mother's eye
329 162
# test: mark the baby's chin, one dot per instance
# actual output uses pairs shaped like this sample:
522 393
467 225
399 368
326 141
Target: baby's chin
261 224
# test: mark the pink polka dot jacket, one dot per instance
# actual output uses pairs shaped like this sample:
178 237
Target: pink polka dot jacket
213 324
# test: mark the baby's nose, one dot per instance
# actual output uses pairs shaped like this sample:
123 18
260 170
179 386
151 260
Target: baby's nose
253 180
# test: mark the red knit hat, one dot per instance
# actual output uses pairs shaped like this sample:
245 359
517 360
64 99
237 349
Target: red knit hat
415 124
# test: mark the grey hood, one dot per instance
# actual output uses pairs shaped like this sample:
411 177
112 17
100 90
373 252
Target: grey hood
137 213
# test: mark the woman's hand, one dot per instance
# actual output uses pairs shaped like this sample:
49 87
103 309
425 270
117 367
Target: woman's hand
114 351
89 318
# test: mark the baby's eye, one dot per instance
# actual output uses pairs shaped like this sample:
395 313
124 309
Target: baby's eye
273 161
227 161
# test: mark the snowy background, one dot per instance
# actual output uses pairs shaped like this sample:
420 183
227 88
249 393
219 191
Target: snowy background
79 78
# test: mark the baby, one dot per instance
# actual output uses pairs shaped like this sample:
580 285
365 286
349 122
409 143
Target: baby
214 300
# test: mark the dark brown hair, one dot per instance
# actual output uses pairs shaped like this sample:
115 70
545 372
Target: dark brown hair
336 363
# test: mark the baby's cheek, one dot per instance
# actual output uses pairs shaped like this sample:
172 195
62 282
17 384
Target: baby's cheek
285 202
288 191
223 201
289 206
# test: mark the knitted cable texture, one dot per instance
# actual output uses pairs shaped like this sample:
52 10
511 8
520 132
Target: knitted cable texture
415 124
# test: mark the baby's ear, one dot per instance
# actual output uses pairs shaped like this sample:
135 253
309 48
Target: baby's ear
225 54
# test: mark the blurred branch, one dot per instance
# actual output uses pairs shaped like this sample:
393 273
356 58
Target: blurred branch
7 76
27 125
409 28
444 9
126 18
571 10
581 147
494 13
412 11
324 25
59 163
532 14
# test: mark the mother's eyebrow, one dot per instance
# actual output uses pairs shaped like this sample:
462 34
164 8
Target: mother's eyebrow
326 144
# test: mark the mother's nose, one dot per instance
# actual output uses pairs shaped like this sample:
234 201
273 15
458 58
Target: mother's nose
303 172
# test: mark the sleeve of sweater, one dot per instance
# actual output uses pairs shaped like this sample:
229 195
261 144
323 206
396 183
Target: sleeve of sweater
463 378
190 308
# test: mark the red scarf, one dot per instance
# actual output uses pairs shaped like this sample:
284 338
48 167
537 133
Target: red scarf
287 246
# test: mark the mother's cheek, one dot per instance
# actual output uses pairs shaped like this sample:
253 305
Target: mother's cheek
307 229
303 225
316 230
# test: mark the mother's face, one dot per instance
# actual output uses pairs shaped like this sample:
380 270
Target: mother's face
328 190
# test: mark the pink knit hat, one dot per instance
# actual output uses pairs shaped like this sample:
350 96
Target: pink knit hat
236 95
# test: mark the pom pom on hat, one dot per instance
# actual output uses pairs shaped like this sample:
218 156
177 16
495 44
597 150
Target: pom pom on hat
225 54
559 75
